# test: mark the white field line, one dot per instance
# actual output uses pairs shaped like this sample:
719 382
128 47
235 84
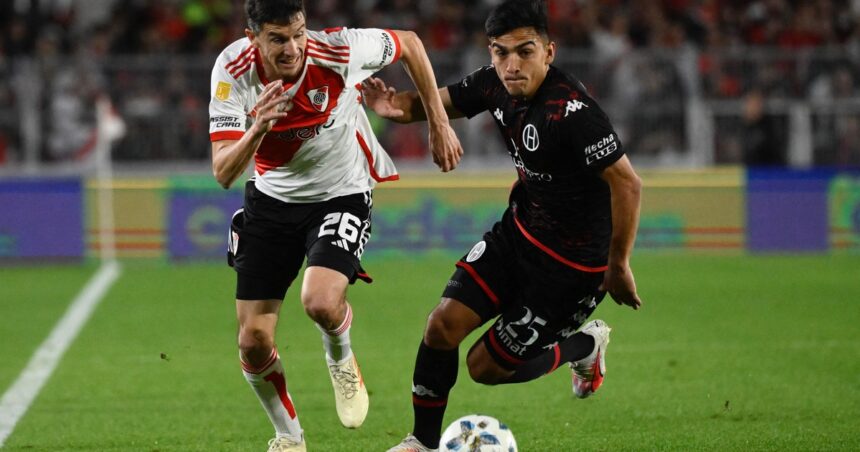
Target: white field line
24 390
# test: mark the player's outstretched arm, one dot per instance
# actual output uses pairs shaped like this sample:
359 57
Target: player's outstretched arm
386 102
444 144
231 157
625 187
404 106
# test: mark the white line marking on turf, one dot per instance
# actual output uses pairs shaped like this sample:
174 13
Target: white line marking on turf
21 394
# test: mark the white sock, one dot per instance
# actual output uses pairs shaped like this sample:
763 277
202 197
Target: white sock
270 385
336 341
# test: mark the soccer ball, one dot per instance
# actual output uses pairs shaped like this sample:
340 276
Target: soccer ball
477 433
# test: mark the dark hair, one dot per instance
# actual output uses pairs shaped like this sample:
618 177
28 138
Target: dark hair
272 12
513 14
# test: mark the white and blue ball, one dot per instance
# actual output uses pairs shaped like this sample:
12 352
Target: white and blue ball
477 433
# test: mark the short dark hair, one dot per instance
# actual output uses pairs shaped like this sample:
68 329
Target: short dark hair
272 12
513 14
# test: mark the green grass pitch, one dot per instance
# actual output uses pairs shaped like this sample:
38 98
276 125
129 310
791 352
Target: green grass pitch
728 353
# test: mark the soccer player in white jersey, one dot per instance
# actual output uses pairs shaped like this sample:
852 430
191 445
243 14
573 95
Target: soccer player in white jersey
289 99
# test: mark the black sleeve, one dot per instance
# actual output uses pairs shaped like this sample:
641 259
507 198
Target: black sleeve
587 128
470 95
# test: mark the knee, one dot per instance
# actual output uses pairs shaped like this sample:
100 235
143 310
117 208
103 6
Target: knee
323 308
256 344
482 368
441 332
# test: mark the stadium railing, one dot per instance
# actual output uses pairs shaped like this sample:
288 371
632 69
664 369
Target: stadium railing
682 108
687 120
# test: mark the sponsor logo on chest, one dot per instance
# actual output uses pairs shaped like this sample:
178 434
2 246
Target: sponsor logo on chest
531 139
300 134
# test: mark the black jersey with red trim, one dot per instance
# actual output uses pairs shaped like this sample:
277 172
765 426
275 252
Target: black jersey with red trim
560 141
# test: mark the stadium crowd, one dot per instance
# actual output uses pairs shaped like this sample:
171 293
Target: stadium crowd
659 54
204 26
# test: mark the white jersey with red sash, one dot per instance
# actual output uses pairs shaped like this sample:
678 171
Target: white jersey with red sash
325 147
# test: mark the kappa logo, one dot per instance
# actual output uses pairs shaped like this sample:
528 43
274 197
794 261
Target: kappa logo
319 98
574 106
422 391
550 346
500 116
589 300
568 332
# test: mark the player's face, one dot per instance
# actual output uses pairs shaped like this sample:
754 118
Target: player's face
521 58
282 47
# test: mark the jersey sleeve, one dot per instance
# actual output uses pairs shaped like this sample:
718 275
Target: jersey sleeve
370 49
469 96
588 129
226 113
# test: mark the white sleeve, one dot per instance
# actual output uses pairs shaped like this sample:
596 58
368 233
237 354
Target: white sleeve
371 49
226 113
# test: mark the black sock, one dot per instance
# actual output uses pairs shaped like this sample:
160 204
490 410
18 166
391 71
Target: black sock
573 348
434 376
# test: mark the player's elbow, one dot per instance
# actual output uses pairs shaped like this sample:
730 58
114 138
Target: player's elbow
410 44
407 37
224 180
634 185
628 185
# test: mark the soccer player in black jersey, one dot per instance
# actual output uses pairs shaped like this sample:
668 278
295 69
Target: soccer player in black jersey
564 241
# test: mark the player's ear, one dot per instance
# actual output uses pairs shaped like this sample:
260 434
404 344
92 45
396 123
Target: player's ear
550 52
250 34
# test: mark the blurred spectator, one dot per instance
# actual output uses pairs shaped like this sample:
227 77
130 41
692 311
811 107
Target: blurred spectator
72 120
764 138
645 60
837 137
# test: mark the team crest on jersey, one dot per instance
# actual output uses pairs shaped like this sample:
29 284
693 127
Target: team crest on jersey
319 98
222 91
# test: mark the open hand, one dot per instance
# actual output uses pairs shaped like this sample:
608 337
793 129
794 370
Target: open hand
380 98
272 106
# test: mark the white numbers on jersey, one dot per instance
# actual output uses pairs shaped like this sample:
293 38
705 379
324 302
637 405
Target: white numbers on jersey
347 226
529 321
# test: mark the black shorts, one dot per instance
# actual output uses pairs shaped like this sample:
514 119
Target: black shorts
538 300
269 240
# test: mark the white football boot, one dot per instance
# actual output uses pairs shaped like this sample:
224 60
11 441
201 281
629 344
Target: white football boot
287 444
588 372
350 394
411 444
